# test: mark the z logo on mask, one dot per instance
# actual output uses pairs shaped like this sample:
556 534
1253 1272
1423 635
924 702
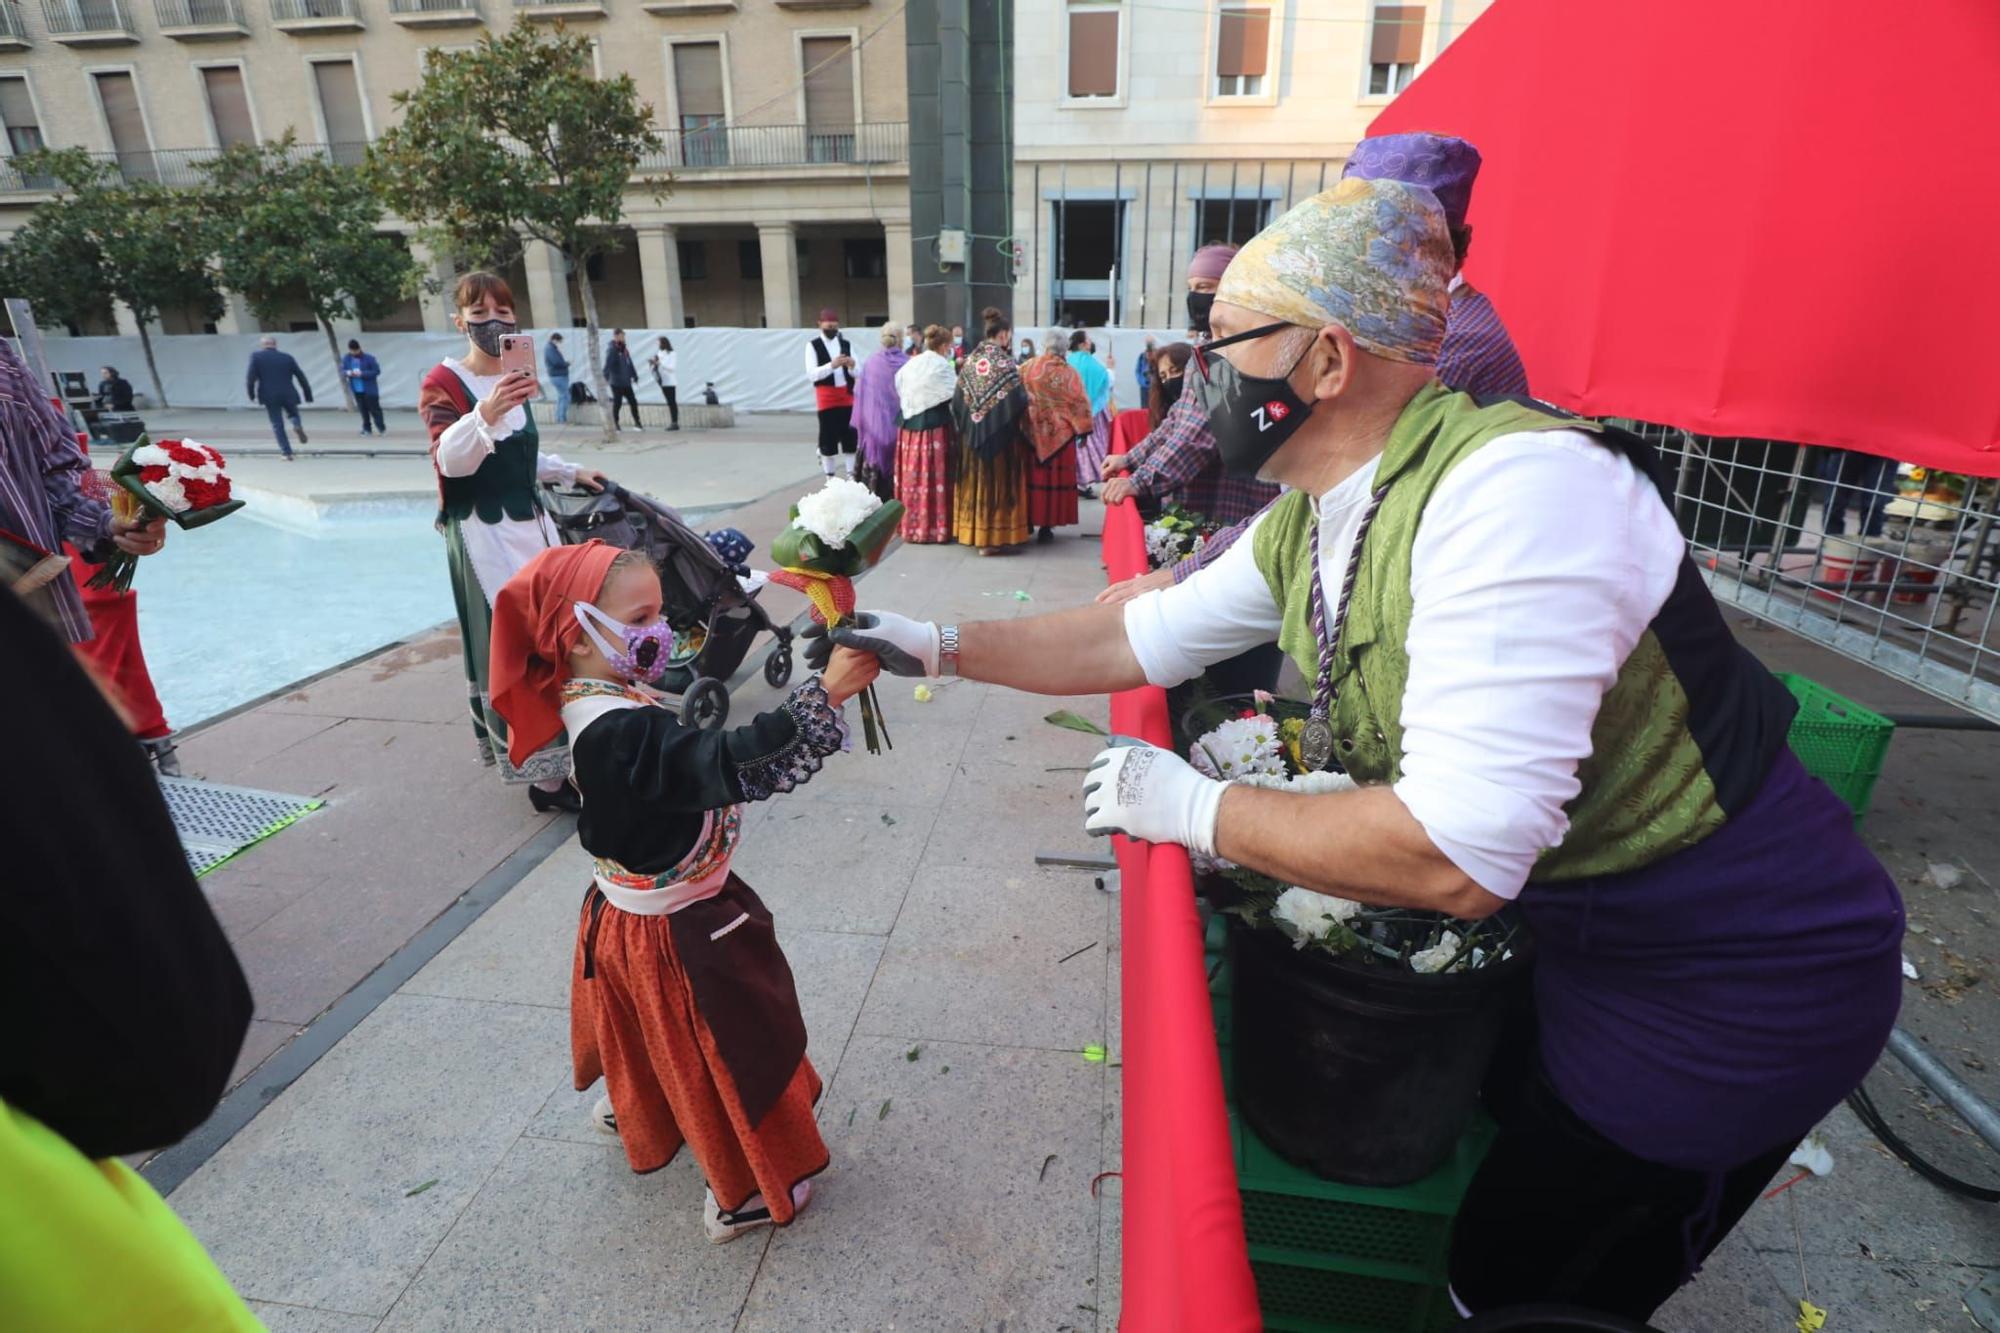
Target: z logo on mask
1270 414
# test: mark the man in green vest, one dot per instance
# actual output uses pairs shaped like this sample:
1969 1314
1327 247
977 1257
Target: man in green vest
1511 654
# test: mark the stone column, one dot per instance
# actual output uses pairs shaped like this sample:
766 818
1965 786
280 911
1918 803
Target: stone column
902 278
778 244
236 316
436 305
548 285
660 276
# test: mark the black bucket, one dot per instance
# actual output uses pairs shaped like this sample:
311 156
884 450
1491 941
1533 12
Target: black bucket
1361 1074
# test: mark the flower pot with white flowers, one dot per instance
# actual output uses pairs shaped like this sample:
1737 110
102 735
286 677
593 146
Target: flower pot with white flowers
1361 1034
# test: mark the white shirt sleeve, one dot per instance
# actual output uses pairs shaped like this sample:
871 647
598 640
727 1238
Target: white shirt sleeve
550 467
1223 609
815 372
1540 563
465 444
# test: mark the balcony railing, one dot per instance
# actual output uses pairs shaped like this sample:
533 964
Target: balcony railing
315 14
89 20
13 33
560 9
168 166
206 17
718 146
780 146
422 13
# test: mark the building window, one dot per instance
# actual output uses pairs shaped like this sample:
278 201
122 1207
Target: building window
17 111
829 76
703 110
1093 49
1232 221
228 105
339 88
1242 51
118 95
802 256
1394 46
750 258
1089 237
866 257
694 260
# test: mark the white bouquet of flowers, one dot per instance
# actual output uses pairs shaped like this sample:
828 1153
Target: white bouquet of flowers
1242 747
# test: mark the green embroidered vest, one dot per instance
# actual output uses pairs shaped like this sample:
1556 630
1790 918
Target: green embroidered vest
504 485
1648 787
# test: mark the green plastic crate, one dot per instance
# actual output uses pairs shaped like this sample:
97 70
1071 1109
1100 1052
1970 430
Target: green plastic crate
1333 1258
1840 742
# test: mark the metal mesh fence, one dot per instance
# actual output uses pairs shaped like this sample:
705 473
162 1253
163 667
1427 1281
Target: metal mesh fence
1891 566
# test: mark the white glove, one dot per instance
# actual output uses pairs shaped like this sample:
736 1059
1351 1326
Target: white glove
1153 795
906 647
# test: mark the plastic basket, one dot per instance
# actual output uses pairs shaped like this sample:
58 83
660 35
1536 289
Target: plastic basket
1840 742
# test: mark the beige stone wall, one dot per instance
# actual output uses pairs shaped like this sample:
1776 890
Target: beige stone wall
762 76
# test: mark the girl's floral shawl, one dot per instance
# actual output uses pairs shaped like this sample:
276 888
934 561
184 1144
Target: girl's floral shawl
991 400
1058 409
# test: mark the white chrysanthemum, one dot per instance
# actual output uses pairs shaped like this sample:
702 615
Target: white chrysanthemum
1239 748
1312 916
1318 784
152 456
1164 546
1434 958
834 511
169 492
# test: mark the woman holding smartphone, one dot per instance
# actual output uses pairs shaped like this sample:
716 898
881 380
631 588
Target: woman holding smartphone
487 455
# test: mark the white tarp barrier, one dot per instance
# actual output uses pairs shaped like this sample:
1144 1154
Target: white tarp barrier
756 370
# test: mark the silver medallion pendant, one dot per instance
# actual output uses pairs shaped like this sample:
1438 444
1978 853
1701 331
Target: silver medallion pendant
1316 744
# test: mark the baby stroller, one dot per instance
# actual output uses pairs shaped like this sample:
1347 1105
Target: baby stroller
714 620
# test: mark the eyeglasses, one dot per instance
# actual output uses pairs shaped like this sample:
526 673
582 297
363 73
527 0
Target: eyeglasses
1203 351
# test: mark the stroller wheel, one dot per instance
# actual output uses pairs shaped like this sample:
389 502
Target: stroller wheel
705 706
778 666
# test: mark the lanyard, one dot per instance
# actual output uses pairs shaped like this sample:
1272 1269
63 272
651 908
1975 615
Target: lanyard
1316 743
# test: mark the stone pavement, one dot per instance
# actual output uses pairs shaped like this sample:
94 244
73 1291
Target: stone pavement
436 1170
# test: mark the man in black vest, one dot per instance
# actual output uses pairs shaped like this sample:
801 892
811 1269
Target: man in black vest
830 368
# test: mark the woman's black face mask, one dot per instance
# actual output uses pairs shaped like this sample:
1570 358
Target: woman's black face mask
1250 416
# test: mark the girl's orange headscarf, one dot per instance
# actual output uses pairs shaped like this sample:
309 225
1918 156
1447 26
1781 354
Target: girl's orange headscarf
534 628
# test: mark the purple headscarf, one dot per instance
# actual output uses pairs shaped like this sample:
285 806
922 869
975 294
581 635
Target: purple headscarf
877 409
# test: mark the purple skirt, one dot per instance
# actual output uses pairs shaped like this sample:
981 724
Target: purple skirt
1719 1003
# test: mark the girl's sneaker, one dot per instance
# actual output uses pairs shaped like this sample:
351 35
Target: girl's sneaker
724 1227
604 1117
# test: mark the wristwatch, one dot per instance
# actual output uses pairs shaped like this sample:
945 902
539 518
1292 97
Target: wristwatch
948 650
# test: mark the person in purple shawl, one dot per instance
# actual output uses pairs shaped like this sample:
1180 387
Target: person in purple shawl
876 412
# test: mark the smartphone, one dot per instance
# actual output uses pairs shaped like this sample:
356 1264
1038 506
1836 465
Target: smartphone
517 352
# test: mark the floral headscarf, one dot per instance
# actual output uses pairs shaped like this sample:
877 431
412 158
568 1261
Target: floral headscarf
1371 255
990 386
1058 408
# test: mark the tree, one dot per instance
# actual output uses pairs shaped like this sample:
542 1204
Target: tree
517 135
132 240
289 224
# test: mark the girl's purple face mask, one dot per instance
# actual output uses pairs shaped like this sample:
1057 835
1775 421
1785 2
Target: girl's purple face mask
642 651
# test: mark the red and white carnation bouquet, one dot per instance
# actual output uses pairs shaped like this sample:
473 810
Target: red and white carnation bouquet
180 480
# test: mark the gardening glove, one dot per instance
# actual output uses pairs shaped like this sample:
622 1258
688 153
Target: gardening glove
1153 795
905 647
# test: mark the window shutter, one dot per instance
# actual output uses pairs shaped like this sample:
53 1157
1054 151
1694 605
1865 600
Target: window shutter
17 109
1244 43
120 98
830 85
340 102
229 105
1399 35
698 80
1093 53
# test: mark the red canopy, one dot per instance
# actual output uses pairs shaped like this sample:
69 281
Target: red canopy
1767 218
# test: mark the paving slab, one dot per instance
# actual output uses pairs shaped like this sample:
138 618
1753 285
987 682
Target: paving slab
784 857
225 750
977 957
520 951
262 1039
301 1319
562 1236
312 1204
966 1206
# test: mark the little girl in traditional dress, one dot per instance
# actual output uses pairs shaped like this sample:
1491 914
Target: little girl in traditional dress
680 998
